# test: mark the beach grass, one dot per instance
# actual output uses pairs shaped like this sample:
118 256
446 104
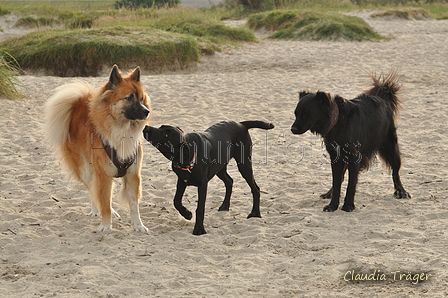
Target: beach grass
8 73
407 14
176 36
84 52
313 26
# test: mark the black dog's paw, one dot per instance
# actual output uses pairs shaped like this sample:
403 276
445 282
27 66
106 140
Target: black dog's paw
327 195
348 208
254 214
199 231
224 207
402 194
330 208
186 214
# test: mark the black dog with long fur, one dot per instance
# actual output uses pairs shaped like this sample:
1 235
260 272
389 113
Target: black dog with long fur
198 157
353 132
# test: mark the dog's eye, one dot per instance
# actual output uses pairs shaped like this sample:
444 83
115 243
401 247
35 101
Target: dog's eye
129 98
305 113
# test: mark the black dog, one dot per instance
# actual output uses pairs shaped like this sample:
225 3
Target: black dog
353 132
198 157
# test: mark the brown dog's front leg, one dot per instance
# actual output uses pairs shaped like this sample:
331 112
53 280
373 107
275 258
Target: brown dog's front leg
200 210
181 185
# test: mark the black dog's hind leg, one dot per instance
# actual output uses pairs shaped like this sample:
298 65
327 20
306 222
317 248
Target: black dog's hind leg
349 201
228 182
248 175
181 185
329 193
200 210
390 153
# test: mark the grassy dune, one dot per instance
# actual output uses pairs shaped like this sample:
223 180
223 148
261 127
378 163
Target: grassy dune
166 39
313 26
81 37
84 52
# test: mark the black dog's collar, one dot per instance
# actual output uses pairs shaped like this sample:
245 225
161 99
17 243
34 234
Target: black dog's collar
122 166
190 166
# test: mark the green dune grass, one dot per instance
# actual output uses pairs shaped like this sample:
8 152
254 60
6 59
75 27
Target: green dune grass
313 26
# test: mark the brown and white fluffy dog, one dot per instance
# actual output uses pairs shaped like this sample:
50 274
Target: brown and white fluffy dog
97 135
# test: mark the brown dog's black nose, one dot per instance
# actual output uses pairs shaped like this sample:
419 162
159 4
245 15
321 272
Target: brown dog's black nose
146 112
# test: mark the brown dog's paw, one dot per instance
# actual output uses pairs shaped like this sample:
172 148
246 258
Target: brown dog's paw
348 208
330 208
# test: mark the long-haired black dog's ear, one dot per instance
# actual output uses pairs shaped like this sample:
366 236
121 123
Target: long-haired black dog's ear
323 97
303 93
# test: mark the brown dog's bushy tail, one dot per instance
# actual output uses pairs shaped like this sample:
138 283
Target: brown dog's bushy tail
387 87
257 124
58 111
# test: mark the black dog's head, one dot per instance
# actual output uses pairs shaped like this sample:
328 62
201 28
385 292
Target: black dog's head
170 141
312 113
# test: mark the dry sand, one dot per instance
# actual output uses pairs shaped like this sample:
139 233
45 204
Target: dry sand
48 246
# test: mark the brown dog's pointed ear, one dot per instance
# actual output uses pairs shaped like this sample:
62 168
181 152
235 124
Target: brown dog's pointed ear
136 74
114 78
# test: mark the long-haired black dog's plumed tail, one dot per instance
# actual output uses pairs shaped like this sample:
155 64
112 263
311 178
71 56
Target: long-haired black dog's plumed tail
387 87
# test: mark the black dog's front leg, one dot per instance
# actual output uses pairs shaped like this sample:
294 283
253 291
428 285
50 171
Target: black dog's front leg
181 185
337 169
349 202
329 193
200 210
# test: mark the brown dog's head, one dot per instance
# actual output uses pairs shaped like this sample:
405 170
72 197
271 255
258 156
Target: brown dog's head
125 96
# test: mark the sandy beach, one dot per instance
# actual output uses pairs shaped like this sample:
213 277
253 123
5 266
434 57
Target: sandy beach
49 247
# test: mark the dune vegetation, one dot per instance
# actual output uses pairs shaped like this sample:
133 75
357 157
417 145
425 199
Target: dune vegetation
313 26
8 77
79 38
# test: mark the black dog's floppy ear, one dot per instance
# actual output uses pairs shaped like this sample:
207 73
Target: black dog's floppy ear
114 78
184 153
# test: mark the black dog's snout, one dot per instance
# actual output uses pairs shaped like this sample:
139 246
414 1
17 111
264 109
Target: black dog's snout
147 132
294 130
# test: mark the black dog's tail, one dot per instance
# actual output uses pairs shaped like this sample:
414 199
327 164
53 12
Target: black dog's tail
257 124
387 88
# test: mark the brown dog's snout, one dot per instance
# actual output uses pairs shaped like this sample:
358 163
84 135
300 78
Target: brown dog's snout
145 111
